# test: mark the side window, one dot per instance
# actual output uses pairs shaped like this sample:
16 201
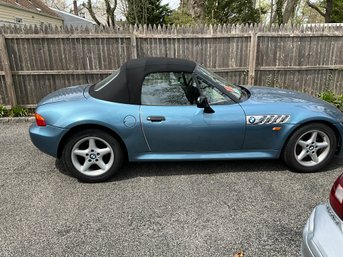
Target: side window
213 94
169 88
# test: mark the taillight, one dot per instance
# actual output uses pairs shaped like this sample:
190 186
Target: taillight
40 120
336 197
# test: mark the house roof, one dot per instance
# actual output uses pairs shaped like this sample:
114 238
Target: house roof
62 14
36 6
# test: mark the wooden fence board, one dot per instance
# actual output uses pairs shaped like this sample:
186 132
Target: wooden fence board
3 91
308 81
12 98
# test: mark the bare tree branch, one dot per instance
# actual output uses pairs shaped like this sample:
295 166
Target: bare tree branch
328 11
289 11
89 7
123 7
313 6
110 12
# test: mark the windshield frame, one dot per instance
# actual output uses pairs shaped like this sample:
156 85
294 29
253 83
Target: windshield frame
221 88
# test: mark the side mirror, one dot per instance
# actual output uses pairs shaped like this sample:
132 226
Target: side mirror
202 102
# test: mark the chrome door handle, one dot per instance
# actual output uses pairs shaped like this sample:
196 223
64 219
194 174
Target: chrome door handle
156 118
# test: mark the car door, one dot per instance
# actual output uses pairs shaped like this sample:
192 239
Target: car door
172 123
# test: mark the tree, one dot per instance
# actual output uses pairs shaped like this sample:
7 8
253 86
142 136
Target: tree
301 11
58 4
194 8
284 11
328 9
110 9
179 17
290 9
305 14
337 11
231 11
221 11
146 12
279 11
331 10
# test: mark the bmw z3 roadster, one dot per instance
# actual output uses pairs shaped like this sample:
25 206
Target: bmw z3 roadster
163 109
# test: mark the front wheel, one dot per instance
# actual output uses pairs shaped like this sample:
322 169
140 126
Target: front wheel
310 148
92 155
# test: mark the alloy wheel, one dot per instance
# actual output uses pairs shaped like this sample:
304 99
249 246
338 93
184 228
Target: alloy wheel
92 156
312 148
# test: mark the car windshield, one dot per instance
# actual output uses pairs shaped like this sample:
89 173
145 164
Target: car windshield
103 83
228 87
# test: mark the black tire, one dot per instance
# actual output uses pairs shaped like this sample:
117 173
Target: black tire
80 142
295 145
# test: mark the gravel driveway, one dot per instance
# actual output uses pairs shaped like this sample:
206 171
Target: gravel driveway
153 209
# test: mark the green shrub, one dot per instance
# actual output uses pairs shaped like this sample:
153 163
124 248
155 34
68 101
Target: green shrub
18 111
340 100
331 97
3 111
328 96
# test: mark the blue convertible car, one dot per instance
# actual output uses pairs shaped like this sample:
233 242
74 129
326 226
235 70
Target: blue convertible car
157 109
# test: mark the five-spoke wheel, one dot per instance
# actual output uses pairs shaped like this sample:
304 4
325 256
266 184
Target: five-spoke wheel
92 155
310 148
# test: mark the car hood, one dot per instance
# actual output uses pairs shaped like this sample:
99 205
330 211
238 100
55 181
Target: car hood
271 95
266 100
65 94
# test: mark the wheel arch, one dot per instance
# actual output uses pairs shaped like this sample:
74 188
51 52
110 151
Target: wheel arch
77 128
325 122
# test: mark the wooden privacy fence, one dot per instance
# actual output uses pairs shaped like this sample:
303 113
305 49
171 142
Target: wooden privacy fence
36 61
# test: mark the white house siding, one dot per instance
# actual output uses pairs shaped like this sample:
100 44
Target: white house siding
9 14
73 20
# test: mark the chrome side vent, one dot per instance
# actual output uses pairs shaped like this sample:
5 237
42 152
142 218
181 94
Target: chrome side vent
267 119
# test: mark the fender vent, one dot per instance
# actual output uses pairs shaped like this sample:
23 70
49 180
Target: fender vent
267 119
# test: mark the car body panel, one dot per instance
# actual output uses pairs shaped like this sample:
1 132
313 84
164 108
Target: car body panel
65 94
301 108
189 129
203 156
264 137
322 236
114 116
46 138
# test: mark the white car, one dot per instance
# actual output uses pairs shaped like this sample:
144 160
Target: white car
323 232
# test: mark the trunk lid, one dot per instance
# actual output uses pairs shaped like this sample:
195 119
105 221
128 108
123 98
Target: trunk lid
65 94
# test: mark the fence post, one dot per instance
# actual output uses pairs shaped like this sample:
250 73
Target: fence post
252 58
133 46
7 71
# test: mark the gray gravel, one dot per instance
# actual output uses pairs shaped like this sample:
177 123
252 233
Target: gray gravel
152 209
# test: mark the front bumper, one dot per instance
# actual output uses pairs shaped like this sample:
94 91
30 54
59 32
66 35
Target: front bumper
46 138
323 234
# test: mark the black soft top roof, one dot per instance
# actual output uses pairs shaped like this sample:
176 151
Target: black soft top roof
126 87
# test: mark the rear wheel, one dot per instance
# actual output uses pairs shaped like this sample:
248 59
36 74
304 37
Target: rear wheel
92 155
310 148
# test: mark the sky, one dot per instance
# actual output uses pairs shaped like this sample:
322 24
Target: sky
172 3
